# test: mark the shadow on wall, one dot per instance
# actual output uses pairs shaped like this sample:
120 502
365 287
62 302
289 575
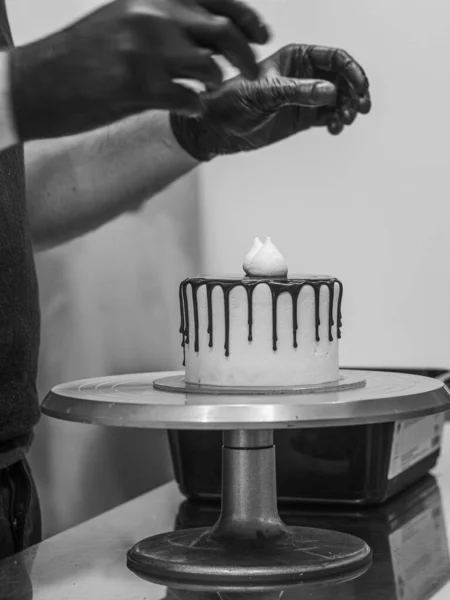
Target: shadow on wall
109 305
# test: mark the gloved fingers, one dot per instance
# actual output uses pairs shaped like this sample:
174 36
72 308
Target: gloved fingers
219 34
243 17
180 59
340 119
362 104
340 62
275 93
336 118
197 65
335 127
365 104
347 102
347 115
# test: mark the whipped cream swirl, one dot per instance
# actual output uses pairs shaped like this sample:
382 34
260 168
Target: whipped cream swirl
264 260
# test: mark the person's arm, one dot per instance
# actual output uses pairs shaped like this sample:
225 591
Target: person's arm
79 183
76 184
8 134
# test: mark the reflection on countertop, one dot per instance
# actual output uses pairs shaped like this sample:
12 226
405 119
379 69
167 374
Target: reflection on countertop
408 536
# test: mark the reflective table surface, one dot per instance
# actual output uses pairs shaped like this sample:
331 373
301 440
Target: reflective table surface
409 536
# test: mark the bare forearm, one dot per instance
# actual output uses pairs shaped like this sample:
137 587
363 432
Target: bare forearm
8 134
77 184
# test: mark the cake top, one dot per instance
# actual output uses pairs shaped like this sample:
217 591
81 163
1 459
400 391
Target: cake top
264 260
263 264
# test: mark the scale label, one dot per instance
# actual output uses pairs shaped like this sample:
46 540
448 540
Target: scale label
414 439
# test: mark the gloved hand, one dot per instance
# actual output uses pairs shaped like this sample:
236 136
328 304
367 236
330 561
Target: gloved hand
122 59
300 87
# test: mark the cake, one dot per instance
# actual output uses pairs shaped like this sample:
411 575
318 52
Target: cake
261 329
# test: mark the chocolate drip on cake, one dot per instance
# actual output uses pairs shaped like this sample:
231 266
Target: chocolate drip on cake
185 319
330 313
317 311
196 324
209 291
275 294
249 290
294 297
339 307
276 286
180 296
226 299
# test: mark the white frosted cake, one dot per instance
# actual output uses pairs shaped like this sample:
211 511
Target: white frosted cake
261 329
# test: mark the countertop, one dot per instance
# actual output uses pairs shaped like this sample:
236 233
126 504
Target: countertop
409 537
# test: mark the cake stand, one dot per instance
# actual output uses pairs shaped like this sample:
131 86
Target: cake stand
249 546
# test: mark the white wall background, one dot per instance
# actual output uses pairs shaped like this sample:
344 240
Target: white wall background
371 206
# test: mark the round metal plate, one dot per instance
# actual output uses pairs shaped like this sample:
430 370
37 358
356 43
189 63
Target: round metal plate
178 384
132 401
194 559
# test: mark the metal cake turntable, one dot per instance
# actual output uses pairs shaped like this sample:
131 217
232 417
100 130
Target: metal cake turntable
249 546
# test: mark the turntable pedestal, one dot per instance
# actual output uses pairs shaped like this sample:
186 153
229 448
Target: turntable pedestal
249 545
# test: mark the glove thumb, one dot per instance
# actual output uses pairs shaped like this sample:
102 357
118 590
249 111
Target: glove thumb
275 93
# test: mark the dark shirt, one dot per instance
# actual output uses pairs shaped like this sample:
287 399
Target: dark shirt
19 302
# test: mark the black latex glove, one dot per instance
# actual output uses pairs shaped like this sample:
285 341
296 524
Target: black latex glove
287 98
122 59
